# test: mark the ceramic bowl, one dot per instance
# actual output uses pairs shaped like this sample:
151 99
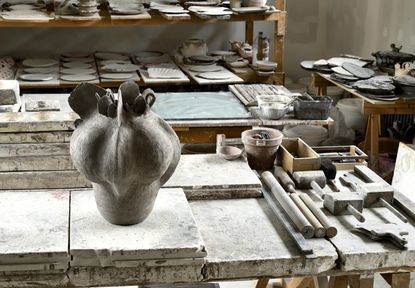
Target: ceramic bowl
273 111
229 152
240 63
273 99
266 65
193 47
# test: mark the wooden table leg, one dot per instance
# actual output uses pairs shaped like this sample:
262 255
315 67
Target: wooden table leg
300 282
374 138
338 282
321 282
398 280
361 281
261 283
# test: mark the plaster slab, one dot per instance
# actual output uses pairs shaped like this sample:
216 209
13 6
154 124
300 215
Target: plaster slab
34 230
245 240
170 232
210 176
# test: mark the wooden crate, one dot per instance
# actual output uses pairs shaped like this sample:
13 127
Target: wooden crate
295 155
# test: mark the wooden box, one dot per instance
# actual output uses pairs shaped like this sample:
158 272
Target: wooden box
295 155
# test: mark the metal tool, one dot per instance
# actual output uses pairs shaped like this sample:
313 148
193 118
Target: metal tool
288 205
374 195
344 203
399 200
289 185
387 232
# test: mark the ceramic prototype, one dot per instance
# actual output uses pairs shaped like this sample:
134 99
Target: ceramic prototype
127 151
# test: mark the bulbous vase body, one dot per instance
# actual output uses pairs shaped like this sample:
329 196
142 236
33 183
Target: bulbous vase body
125 150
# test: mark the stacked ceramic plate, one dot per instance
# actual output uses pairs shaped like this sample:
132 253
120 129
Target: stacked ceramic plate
406 83
312 135
126 7
115 66
78 68
87 7
39 69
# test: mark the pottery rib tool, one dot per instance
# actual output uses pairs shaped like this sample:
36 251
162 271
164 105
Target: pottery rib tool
288 205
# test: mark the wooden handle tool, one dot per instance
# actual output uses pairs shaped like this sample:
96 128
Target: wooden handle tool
331 231
288 205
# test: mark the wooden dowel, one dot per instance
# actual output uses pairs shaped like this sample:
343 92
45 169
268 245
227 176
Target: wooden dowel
288 205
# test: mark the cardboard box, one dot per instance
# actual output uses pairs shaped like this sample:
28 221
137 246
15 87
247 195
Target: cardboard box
296 155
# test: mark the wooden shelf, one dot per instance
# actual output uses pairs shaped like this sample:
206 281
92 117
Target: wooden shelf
156 19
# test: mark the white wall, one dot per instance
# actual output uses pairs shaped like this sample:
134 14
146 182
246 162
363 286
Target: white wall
364 26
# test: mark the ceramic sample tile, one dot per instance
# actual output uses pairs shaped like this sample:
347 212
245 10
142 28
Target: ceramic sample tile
169 233
244 239
210 176
34 230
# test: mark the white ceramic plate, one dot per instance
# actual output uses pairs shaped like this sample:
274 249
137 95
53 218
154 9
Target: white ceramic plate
77 65
117 75
221 53
83 60
78 78
74 71
214 75
36 77
111 56
173 11
164 73
47 70
341 70
146 54
202 69
39 62
108 62
120 68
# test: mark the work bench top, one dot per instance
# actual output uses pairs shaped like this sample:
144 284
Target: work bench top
58 238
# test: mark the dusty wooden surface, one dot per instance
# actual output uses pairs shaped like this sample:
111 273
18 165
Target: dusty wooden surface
210 176
243 239
32 237
170 232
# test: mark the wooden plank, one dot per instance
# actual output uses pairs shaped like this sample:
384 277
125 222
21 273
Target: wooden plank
36 149
170 232
361 281
338 282
259 243
36 163
261 283
42 180
36 137
34 228
210 173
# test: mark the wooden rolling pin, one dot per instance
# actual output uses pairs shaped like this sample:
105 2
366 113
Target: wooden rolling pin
288 184
286 180
288 205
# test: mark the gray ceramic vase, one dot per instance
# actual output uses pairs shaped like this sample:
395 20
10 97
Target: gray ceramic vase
125 150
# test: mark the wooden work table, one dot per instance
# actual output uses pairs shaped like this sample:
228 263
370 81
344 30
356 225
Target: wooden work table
371 107
57 238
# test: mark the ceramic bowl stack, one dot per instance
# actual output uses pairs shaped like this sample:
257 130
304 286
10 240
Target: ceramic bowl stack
311 134
77 67
87 7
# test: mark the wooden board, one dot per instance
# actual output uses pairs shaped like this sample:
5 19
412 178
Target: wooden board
405 170
210 176
170 232
141 16
36 163
34 231
201 81
183 16
36 149
243 239
42 180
